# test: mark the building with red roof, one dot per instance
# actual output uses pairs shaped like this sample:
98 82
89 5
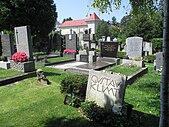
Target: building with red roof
80 26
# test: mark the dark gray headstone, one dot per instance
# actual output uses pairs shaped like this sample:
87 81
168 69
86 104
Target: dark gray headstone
84 58
23 40
109 49
134 46
159 60
71 41
105 89
7 45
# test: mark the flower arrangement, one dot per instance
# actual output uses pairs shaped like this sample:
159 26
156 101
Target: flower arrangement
19 57
71 51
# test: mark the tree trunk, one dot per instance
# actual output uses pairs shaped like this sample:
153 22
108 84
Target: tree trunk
164 90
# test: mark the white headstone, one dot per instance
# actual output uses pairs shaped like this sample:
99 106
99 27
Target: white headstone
105 89
134 46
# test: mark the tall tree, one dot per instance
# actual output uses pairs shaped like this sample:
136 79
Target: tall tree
105 6
67 19
114 21
102 29
41 15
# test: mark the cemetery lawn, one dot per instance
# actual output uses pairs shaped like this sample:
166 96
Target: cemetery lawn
57 59
8 73
123 69
29 104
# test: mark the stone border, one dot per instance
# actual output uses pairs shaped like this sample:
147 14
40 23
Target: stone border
132 78
16 78
58 62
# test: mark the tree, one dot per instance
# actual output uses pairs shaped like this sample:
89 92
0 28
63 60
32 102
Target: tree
114 22
102 29
40 15
105 6
67 19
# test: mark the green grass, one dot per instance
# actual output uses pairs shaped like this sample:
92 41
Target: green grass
29 104
8 73
50 60
144 93
124 69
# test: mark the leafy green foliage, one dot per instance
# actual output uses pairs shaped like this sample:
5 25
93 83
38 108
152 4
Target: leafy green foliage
102 29
121 54
74 85
40 15
98 114
157 44
150 58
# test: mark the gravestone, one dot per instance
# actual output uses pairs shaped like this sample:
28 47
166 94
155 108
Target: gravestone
106 89
0 46
147 48
159 60
134 46
23 40
71 41
109 49
7 45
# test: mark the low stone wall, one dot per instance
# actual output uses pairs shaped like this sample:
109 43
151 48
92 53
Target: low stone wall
16 78
132 78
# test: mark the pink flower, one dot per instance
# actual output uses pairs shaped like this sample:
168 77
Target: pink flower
69 51
20 57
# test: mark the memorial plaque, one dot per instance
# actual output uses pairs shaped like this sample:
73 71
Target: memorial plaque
7 45
134 46
23 40
109 49
84 58
105 89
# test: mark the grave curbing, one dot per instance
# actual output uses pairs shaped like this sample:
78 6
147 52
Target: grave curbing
13 79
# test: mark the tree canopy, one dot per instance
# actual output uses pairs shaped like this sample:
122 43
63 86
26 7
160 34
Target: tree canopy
39 14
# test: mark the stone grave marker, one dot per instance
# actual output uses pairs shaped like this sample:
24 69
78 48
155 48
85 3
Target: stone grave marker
147 48
71 41
109 49
134 47
159 60
106 89
7 45
23 40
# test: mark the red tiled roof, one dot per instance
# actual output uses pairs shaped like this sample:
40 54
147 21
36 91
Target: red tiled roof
92 17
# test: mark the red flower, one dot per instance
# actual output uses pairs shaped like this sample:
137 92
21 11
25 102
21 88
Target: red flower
69 51
20 57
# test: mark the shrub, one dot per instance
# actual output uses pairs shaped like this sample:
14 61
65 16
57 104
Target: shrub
75 85
19 57
137 58
96 113
4 58
150 58
157 44
121 54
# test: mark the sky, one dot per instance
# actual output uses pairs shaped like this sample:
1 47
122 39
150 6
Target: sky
78 9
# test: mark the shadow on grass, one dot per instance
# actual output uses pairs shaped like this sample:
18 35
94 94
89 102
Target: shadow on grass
147 120
51 74
65 122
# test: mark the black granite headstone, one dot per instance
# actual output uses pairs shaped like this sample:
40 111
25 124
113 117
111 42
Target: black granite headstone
7 45
84 58
109 49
